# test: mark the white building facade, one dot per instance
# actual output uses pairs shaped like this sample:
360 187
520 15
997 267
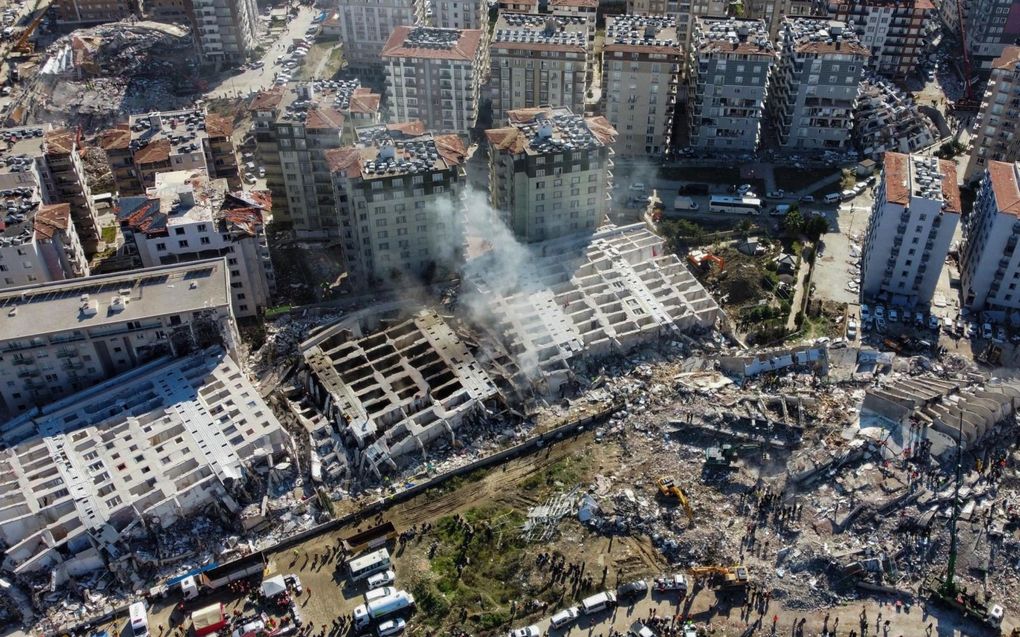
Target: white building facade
989 260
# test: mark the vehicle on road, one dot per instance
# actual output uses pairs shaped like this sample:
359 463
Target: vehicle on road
847 195
776 194
807 199
781 210
744 188
865 312
933 323
564 617
894 315
684 203
379 593
294 583
734 205
636 187
638 629
676 582
632 590
598 602
527 631
832 197
851 328
986 330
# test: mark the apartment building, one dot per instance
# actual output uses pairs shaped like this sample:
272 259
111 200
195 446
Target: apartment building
39 243
400 202
574 8
815 85
775 12
641 60
549 172
61 337
459 14
166 141
294 126
894 31
188 217
917 207
997 137
164 441
989 260
684 11
538 60
93 11
366 26
887 119
728 72
66 182
226 31
435 75
991 26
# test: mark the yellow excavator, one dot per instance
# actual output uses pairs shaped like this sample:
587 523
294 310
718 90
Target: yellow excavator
728 577
669 489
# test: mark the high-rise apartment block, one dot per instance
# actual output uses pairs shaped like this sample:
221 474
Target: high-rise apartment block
894 31
400 202
166 141
61 337
814 87
641 61
997 136
187 217
226 30
989 259
435 75
684 11
92 11
728 72
459 14
294 126
38 243
165 441
549 172
991 26
539 60
366 26
917 208
65 181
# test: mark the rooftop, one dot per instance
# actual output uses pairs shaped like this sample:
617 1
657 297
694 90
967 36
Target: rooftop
184 197
729 36
538 131
908 176
536 32
386 151
822 37
20 206
158 136
433 43
322 104
587 4
642 33
1005 184
110 299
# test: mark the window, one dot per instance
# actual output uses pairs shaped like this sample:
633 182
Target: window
160 247
204 241
183 243
178 231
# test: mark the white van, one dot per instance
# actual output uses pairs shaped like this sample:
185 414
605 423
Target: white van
832 197
781 210
597 603
684 203
139 619
564 617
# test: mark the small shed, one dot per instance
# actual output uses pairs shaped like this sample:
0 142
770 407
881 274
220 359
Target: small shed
273 586
208 619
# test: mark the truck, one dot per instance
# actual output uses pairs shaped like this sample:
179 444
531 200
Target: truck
684 203
365 614
210 577
208 619
371 538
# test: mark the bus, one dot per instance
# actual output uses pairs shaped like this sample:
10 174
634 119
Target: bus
368 564
735 205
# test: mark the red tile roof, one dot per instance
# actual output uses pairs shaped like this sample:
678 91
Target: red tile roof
589 4
218 126
51 219
365 101
117 138
344 160
897 178
267 100
1003 179
154 152
59 142
414 127
451 148
601 128
950 187
508 139
466 47
324 117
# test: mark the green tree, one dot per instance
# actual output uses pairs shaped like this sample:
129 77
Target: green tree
815 226
793 222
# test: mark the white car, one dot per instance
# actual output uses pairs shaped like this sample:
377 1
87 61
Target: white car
743 189
865 312
807 199
379 593
851 329
894 315
564 617
391 627
381 579
527 631
776 194
638 187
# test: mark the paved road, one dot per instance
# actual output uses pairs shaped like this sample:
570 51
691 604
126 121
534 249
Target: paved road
253 80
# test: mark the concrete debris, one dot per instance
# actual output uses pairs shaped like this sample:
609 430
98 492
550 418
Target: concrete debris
886 119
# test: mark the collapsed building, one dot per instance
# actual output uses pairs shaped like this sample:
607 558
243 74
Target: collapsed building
393 391
886 119
118 48
937 413
584 295
84 476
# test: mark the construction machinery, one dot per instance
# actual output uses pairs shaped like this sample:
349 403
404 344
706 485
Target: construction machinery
947 591
704 261
968 102
723 577
669 489
727 456
24 45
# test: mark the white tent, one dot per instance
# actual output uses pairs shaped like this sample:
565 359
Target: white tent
273 587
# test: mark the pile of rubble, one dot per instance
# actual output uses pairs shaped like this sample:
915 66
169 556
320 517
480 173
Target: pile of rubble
126 49
886 119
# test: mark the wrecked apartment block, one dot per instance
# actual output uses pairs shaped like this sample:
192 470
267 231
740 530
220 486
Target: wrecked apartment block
594 295
395 390
941 411
81 477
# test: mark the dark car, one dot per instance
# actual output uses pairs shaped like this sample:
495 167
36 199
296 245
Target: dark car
693 189
632 590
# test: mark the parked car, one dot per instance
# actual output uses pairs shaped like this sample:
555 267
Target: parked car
972 330
880 312
1000 334
776 194
676 582
807 199
379 593
632 590
918 319
894 315
986 330
391 627
636 187
381 579
744 189
564 617
851 328
527 631
865 312
933 322
293 582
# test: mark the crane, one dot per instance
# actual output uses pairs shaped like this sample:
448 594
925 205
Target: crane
968 102
24 46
